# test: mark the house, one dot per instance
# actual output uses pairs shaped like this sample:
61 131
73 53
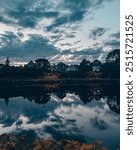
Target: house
96 66
1 66
31 64
61 67
72 68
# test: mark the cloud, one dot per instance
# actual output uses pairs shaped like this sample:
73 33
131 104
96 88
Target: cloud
115 35
73 57
59 36
97 32
66 44
89 51
26 13
5 20
75 11
36 46
71 35
55 38
99 124
27 18
54 26
77 42
29 13
113 43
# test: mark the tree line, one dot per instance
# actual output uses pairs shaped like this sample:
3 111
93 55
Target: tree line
42 68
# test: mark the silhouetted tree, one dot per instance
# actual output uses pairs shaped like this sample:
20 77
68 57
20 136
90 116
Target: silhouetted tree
84 67
43 63
7 62
111 68
113 56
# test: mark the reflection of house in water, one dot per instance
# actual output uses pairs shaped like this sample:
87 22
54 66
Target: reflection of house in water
40 99
60 94
97 94
86 93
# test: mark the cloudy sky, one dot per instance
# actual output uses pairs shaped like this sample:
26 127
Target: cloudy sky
59 30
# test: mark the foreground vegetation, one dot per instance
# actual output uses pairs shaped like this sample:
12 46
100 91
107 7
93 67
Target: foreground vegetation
11 142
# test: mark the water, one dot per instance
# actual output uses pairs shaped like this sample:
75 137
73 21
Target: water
77 112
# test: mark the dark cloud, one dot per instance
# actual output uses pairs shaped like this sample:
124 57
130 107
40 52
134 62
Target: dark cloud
62 20
72 58
27 18
77 56
97 32
59 21
59 36
66 44
56 37
113 43
36 46
99 124
9 37
76 5
28 13
70 35
77 42
24 15
115 35
4 20
89 51
65 20
77 10
84 52
59 31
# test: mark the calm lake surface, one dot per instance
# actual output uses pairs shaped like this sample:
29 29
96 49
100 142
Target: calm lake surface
76 112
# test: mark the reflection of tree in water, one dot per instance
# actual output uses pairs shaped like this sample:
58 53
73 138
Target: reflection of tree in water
114 104
7 101
40 99
61 94
86 93
99 124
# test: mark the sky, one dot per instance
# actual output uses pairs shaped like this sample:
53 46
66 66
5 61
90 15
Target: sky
58 30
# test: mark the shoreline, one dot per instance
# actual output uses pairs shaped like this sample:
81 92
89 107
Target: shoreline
34 82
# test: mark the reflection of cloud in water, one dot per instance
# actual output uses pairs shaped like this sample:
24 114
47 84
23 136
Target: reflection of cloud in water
98 123
70 97
66 118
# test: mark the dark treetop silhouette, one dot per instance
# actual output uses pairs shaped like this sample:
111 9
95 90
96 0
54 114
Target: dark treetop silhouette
43 69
